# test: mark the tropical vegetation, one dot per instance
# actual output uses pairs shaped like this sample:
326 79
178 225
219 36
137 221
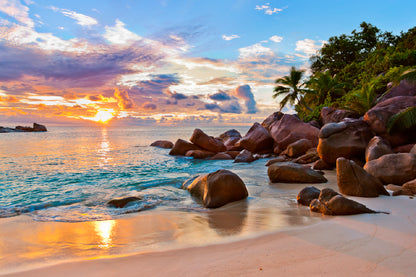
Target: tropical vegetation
351 72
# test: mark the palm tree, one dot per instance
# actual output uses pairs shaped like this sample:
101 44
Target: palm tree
324 86
291 88
364 99
409 75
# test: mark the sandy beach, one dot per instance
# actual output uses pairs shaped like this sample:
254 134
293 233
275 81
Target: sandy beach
360 245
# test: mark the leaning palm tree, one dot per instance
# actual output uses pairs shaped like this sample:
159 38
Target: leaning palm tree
291 88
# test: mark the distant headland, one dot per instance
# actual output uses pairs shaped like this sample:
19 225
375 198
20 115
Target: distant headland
36 128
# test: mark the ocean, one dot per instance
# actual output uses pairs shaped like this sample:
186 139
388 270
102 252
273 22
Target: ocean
55 186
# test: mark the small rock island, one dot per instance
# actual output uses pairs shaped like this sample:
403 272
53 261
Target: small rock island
36 128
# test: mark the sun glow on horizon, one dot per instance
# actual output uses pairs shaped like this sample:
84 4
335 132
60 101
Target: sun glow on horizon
103 116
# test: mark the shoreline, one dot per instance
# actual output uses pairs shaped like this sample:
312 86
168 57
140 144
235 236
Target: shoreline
366 245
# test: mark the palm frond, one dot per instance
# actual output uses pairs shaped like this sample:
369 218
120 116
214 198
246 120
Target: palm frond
403 120
409 75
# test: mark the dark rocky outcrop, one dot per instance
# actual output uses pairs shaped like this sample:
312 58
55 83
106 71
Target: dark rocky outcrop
321 165
276 116
376 148
206 142
393 168
403 148
347 139
306 195
162 144
290 129
257 139
355 181
122 202
216 189
332 115
245 156
36 128
288 172
181 147
378 118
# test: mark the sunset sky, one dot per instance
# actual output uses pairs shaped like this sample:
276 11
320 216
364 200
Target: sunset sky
165 61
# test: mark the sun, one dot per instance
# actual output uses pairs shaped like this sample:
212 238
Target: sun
103 116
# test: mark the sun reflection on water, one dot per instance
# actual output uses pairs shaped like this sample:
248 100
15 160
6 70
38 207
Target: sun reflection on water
104 149
104 230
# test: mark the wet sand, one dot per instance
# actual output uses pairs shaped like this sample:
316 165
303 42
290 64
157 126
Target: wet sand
242 239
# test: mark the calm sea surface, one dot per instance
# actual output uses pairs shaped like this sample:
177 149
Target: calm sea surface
54 189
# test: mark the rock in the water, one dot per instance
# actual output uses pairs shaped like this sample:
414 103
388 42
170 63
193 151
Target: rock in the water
355 181
162 144
221 156
298 148
378 118
332 115
347 139
39 128
181 147
276 160
290 129
206 142
393 168
257 139
321 165
376 148
306 195
233 154
122 202
230 138
36 128
217 189
199 154
288 172
245 156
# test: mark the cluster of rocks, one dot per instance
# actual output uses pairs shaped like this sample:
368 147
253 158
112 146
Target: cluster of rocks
36 128
368 159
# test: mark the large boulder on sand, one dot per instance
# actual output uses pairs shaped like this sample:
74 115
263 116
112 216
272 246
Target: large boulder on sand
376 148
162 144
394 169
257 139
347 139
217 189
331 115
378 118
230 138
290 129
288 172
355 181
276 116
332 203
306 195
206 142
181 147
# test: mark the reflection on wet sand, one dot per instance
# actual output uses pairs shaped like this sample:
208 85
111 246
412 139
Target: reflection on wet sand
229 220
104 230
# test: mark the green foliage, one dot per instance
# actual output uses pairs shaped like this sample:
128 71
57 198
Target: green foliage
353 71
402 121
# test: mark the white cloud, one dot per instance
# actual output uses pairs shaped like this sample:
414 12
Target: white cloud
276 39
308 46
18 11
254 50
225 37
268 9
120 35
83 20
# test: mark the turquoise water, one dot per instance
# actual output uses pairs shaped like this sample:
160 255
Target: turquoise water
70 173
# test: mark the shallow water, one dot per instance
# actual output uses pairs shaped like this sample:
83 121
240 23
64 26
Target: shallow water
60 181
